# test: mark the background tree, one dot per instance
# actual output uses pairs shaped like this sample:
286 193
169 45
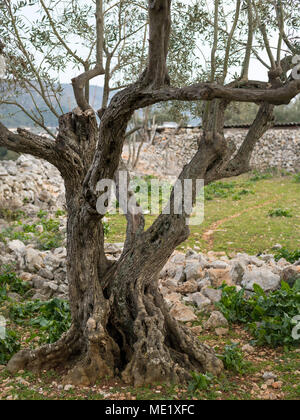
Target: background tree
120 322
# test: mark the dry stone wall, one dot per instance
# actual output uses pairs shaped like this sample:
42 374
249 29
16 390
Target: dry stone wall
278 148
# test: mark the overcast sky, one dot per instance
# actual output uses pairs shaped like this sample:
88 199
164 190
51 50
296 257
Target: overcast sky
256 72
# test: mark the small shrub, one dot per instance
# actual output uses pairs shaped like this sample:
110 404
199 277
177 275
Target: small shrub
49 240
199 382
41 214
290 256
52 318
233 359
106 228
11 234
10 282
297 178
259 176
268 317
219 190
280 213
240 194
60 213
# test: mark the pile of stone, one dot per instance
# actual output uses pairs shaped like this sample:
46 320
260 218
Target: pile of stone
31 183
195 279
36 184
44 271
278 148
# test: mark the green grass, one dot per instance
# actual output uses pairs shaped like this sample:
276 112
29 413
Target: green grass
245 223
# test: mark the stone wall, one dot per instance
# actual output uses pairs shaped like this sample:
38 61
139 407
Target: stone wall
278 148
38 184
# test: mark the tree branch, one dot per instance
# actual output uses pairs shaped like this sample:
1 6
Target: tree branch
100 31
228 45
26 142
246 63
159 34
215 42
210 91
79 84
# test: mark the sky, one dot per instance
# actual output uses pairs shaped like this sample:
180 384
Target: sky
256 72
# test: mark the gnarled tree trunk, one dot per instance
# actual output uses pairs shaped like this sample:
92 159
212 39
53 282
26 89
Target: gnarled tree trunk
120 323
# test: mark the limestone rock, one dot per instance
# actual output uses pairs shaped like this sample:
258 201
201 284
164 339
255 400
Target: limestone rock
290 274
237 271
17 247
33 260
183 313
190 286
197 330
201 301
216 320
193 271
264 277
212 294
219 276
172 298
221 331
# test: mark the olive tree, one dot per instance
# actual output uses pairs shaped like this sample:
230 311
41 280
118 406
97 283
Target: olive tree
121 324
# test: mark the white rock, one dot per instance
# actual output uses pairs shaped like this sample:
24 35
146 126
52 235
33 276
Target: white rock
17 247
265 278
183 313
193 271
216 320
33 260
237 271
201 301
212 294
222 265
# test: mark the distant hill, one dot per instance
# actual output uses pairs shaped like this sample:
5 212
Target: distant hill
19 119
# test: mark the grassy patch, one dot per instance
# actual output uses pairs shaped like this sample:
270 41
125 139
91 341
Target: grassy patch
240 225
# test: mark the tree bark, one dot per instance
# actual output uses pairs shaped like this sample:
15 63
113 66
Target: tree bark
121 325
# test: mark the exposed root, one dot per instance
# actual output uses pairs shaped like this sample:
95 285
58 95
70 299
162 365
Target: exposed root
165 351
48 356
161 349
100 360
